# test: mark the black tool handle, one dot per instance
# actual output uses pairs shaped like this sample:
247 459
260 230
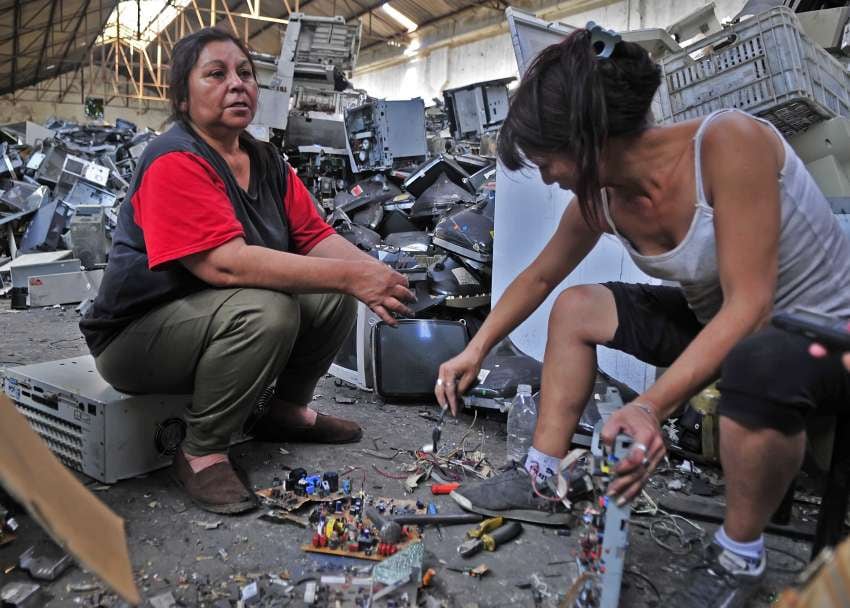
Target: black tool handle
375 516
503 534
448 519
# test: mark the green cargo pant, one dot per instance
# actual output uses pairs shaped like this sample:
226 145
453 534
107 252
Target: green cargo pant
224 346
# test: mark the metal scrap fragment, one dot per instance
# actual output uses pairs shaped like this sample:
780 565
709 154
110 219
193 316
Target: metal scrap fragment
280 516
82 587
164 600
381 455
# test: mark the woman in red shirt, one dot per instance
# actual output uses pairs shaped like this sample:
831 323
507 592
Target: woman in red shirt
223 279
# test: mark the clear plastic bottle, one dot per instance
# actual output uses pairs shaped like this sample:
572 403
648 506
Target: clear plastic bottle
522 417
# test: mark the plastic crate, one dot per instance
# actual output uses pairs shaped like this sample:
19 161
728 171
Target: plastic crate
766 66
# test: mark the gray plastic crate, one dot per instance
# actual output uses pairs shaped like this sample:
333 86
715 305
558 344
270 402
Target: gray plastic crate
766 66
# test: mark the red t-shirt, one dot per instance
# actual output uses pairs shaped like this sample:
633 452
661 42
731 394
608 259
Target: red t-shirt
182 208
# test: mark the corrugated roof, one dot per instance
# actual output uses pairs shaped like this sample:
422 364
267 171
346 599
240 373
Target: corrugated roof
42 38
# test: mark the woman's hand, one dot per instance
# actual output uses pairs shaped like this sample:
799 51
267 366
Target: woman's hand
636 420
382 289
455 376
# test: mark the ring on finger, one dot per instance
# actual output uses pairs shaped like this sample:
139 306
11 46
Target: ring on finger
440 382
645 462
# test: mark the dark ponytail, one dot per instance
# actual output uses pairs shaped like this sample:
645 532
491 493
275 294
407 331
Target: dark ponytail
570 102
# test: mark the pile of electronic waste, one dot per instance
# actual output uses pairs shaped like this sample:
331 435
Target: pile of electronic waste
434 224
60 187
379 171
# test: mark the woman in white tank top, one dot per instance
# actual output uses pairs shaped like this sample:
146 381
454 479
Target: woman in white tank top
722 207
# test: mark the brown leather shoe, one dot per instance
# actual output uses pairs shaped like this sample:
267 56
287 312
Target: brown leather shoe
327 429
217 488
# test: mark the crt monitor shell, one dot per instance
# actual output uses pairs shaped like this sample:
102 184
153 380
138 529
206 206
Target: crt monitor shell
357 350
407 358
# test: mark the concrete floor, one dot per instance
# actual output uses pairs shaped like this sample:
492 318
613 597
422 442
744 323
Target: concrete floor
171 552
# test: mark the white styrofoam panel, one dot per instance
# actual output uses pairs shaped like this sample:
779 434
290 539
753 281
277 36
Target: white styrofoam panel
527 214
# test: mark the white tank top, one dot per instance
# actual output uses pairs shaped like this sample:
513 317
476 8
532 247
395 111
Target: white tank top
814 253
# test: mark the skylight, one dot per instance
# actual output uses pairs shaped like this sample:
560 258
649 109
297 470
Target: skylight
137 22
399 17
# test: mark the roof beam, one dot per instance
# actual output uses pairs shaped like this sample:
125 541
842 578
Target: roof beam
102 24
433 21
17 20
73 36
46 36
33 16
365 11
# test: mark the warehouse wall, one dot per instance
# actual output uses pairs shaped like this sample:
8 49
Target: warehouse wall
429 72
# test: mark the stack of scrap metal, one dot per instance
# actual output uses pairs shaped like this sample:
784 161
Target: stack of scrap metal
60 187
304 92
439 215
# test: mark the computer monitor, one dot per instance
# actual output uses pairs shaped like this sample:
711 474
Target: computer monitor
353 363
407 357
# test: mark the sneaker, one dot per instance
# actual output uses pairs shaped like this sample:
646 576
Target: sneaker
509 494
722 580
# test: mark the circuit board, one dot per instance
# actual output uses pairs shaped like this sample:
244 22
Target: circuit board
290 501
345 524
6 537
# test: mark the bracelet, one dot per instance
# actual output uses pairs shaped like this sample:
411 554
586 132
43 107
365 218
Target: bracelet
645 408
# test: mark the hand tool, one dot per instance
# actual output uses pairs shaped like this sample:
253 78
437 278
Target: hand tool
444 488
500 534
447 519
488 525
389 530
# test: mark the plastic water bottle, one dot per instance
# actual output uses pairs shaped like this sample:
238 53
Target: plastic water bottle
522 417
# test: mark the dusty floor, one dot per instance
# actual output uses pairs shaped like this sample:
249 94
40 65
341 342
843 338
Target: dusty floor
172 552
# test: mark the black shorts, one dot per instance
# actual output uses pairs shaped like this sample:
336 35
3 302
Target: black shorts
767 380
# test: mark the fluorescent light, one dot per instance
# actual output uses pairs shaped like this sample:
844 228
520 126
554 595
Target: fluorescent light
399 17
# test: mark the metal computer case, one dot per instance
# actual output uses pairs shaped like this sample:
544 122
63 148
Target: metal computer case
90 426
381 132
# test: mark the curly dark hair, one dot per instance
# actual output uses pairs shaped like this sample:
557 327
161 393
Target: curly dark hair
570 102
183 58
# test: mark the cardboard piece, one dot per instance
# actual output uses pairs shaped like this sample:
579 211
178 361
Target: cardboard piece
825 583
74 518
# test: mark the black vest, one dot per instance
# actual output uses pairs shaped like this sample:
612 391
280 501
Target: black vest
129 289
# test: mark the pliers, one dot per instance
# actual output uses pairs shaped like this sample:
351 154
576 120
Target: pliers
488 535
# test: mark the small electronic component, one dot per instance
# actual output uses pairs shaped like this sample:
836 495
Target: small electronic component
8 526
332 479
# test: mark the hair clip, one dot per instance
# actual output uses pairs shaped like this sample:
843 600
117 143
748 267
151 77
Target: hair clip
603 41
